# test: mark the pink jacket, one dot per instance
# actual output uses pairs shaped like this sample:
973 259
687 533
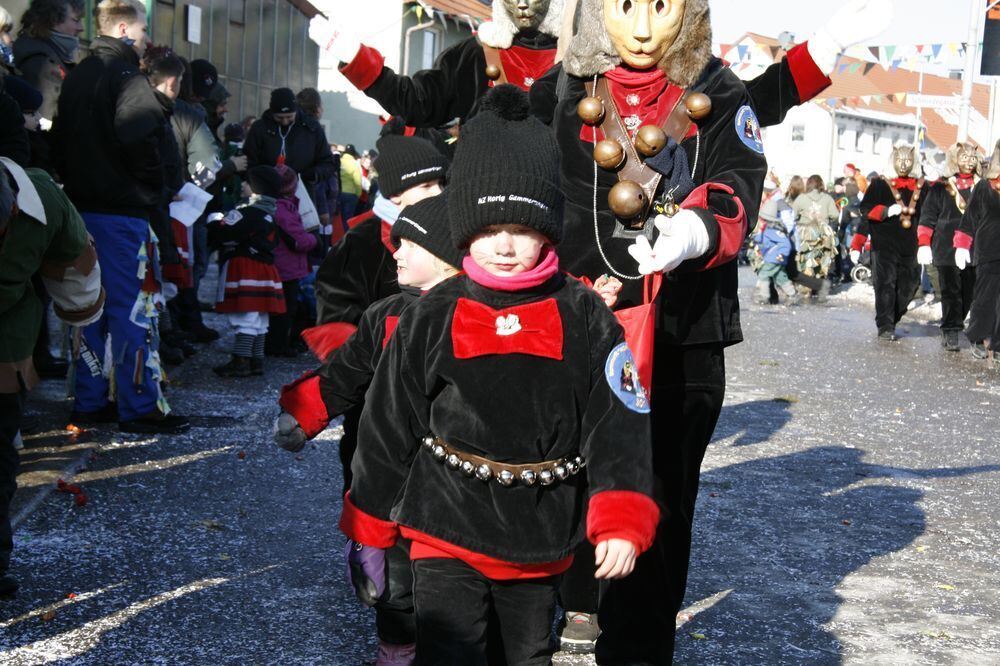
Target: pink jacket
292 264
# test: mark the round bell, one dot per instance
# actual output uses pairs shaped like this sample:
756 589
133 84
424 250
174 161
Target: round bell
698 105
528 477
438 453
546 477
453 461
561 472
505 478
572 466
468 468
492 72
590 110
428 441
579 461
627 199
484 473
650 140
906 224
609 154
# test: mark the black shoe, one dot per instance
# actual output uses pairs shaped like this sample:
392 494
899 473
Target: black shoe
205 334
170 355
978 350
238 366
887 336
107 414
257 367
50 367
824 292
8 585
206 307
950 341
156 423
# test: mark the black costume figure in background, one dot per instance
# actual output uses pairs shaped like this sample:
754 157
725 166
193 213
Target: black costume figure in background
944 204
977 242
889 214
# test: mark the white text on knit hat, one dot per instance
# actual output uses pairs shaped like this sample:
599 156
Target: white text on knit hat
414 174
504 198
415 225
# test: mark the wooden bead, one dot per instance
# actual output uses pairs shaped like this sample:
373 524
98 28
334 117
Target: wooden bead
591 110
906 223
492 72
699 105
627 199
650 140
609 154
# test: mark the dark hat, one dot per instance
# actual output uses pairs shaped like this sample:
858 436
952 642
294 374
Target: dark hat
405 161
218 93
282 100
264 180
204 76
771 210
26 95
234 132
426 224
506 170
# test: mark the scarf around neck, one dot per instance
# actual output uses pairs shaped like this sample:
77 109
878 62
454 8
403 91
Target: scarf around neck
547 266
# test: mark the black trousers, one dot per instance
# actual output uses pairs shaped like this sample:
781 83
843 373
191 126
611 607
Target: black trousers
394 618
185 310
454 602
638 613
280 325
11 406
956 289
895 279
579 591
984 315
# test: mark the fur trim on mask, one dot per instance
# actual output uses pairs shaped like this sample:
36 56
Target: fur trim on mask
499 33
993 170
951 161
917 171
591 51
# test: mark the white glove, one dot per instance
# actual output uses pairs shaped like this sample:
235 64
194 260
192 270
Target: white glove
855 22
925 257
893 211
341 45
682 237
962 258
288 434
855 256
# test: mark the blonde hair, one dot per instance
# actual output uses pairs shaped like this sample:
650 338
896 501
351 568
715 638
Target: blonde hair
6 21
445 269
110 13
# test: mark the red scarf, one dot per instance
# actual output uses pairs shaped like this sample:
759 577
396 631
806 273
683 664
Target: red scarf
904 183
655 96
547 266
965 181
523 66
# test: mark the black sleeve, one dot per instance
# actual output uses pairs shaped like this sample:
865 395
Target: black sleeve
343 285
773 93
139 125
931 207
13 136
348 372
251 146
544 94
323 162
977 209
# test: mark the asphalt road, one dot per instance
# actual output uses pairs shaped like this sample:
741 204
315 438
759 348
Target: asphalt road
848 514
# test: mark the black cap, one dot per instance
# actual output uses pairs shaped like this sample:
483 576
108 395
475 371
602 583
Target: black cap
204 76
405 161
264 180
426 224
234 132
282 101
26 95
506 170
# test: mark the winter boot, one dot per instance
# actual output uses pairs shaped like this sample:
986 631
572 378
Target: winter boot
762 293
170 355
396 655
8 585
238 366
979 350
888 335
824 292
579 632
257 367
790 295
950 340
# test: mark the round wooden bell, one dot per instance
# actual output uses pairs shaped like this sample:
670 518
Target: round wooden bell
492 72
609 154
698 105
906 224
627 199
590 110
650 140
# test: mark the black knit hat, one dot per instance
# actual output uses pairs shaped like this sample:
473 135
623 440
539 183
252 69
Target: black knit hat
405 161
426 224
25 94
264 180
204 76
506 170
282 100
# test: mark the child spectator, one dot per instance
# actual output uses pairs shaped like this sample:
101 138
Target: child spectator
773 239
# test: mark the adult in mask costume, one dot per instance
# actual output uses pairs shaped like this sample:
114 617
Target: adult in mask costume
663 167
946 201
890 212
977 242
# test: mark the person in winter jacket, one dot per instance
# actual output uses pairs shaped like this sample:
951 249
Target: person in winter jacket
29 100
775 243
291 258
495 492
46 48
14 142
815 240
426 257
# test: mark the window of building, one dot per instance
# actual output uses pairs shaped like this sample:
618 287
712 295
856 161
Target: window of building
430 50
877 143
842 137
798 133
859 137
237 11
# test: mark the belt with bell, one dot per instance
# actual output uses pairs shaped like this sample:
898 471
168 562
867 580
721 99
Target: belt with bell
543 473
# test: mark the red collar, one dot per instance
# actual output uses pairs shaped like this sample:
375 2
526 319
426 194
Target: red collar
644 94
905 183
523 66
965 181
387 237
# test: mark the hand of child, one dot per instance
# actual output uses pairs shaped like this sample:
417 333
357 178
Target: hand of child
608 288
366 571
615 558
288 434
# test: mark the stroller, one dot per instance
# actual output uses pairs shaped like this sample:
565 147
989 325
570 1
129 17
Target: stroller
862 271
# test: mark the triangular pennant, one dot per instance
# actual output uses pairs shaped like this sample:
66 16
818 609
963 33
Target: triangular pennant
774 52
869 66
874 50
895 65
867 99
854 67
742 51
936 49
900 97
920 48
420 13
843 67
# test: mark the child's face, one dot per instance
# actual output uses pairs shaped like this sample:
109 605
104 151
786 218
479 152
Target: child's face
415 266
31 121
507 249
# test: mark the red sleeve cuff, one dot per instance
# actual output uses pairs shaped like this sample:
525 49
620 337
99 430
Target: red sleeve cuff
302 399
924 235
622 514
732 230
365 68
962 240
877 214
325 339
858 242
365 528
809 80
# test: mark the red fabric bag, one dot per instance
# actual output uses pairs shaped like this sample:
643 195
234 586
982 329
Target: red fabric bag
639 323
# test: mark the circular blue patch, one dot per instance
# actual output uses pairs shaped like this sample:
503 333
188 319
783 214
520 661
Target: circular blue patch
623 378
748 129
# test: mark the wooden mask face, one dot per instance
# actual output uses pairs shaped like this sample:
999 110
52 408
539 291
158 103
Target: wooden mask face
526 14
643 30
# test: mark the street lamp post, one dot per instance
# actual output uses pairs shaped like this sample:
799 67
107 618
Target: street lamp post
971 51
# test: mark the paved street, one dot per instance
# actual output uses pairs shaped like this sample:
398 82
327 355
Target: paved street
848 514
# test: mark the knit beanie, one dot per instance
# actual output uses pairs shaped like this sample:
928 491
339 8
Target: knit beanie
405 161
426 224
264 180
506 170
282 100
289 179
204 76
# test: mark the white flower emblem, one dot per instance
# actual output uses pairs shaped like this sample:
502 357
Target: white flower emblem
632 100
528 82
508 325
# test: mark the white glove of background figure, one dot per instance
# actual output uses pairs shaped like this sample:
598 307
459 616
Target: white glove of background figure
340 45
925 257
288 434
855 22
682 237
962 258
893 211
855 257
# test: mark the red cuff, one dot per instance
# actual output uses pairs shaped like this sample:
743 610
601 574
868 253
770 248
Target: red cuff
924 235
325 339
809 79
962 240
303 401
732 230
367 529
622 514
877 214
365 68
858 242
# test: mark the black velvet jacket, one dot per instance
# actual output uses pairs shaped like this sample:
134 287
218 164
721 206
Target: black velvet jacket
982 222
510 407
887 233
939 215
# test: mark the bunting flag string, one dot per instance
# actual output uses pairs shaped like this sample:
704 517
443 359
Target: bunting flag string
889 56
865 100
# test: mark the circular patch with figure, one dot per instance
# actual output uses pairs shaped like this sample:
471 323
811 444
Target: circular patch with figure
748 129
623 377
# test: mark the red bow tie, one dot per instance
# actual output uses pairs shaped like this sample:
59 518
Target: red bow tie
965 181
905 183
479 330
